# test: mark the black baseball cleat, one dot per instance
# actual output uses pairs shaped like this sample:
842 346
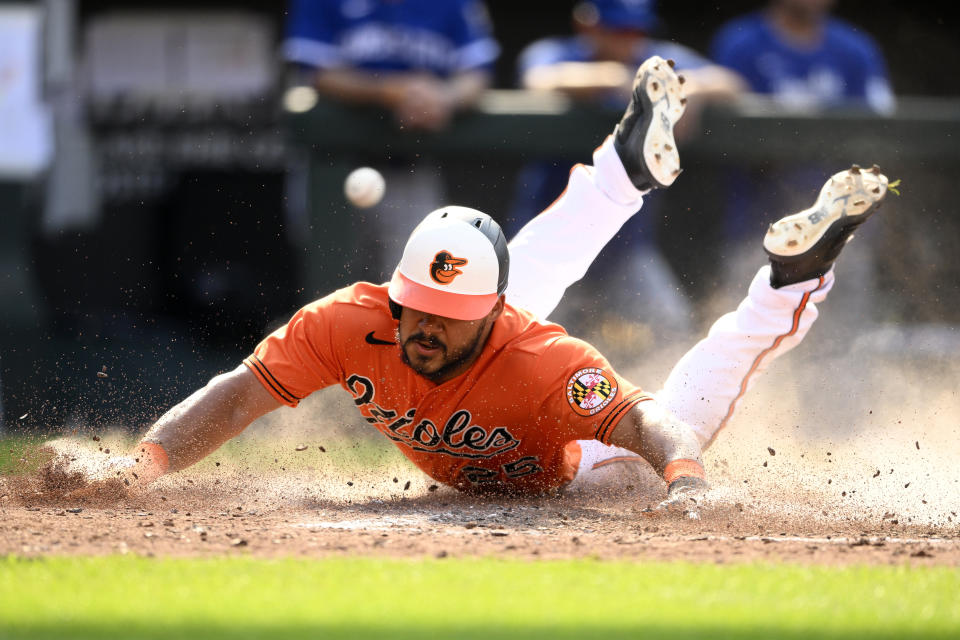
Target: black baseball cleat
804 245
644 136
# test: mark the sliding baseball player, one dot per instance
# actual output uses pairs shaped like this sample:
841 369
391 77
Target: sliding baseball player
454 361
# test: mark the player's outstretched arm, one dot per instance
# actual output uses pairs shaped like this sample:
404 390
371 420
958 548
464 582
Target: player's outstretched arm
182 436
186 433
212 415
669 445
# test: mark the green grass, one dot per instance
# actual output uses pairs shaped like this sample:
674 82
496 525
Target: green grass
13 448
244 597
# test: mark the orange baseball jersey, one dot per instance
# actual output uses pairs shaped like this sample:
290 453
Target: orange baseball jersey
501 425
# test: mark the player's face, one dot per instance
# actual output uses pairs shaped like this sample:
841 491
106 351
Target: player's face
441 348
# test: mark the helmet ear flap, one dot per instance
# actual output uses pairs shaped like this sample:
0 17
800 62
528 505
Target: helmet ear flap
395 309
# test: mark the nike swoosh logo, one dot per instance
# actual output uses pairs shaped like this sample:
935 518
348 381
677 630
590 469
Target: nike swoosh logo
371 340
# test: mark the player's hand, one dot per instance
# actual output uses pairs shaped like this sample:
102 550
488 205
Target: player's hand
77 471
118 477
111 480
684 498
122 469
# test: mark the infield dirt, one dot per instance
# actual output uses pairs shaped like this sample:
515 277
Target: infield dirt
235 512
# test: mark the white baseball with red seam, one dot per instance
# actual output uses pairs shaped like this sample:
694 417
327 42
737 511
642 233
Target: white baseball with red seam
364 187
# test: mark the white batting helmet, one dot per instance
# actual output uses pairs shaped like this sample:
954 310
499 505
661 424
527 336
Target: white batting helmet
455 265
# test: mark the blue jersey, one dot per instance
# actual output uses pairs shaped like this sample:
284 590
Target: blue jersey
443 37
845 67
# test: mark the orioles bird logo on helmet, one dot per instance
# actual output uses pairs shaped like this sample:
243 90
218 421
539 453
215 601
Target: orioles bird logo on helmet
443 269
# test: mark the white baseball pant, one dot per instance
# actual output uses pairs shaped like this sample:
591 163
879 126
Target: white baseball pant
555 249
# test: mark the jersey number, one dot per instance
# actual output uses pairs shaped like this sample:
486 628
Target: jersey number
517 469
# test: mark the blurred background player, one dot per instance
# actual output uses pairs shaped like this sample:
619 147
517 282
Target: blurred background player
796 52
612 37
421 61
805 60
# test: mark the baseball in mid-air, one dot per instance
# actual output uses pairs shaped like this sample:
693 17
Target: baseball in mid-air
364 187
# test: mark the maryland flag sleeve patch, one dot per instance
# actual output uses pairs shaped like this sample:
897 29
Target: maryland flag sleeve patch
589 391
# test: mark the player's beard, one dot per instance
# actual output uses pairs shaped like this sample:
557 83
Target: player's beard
451 360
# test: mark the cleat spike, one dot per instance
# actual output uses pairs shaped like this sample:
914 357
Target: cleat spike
875 169
671 62
855 169
681 79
